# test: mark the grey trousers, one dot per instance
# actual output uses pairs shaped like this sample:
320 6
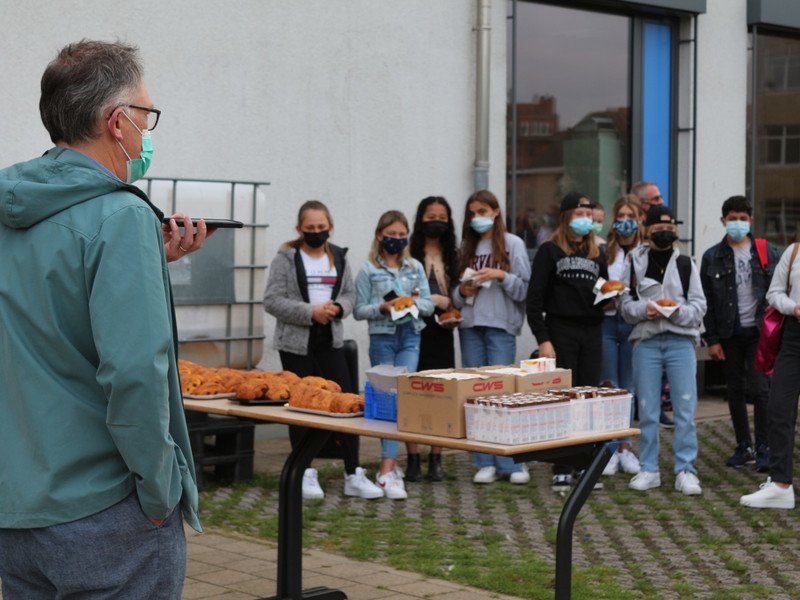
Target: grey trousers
116 553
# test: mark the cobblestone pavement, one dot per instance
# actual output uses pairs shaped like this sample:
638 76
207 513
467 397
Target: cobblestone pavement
657 544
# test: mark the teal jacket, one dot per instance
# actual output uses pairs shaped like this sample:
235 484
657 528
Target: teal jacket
90 399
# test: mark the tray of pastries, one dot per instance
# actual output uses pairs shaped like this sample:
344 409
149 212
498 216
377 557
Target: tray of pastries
276 388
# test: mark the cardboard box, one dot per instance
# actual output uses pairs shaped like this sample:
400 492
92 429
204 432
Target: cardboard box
539 382
434 406
536 382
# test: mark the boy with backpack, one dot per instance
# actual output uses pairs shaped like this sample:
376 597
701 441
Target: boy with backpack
666 307
736 274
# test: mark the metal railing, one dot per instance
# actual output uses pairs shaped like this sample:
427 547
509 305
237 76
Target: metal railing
243 204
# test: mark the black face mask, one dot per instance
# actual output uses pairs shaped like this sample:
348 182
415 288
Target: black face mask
663 239
434 229
315 239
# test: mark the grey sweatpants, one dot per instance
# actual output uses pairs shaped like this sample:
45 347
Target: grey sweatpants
116 553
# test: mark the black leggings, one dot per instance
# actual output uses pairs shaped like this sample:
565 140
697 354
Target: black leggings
782 405
323 360
578 347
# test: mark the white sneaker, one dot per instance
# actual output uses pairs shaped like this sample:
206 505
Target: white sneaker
628 462
645 480
769 495
311 487
613 465
392 486
688 484
520 477
359 486
485 475
399 475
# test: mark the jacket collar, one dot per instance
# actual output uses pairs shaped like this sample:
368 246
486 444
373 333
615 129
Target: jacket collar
724 248
404 263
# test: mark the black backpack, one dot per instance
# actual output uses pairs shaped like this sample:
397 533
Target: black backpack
684 264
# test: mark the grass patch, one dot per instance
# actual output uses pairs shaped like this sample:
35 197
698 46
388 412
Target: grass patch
501 538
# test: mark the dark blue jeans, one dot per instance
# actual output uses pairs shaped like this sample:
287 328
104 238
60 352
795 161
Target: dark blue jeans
116 553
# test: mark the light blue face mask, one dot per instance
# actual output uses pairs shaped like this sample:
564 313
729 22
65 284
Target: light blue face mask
737 229
581 226
481 224
625 227
137 167
597 228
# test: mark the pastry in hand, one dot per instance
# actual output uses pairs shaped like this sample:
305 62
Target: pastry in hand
403 302
449 315
666 303
612 285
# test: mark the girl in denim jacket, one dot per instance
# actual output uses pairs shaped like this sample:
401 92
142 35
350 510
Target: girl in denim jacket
389 274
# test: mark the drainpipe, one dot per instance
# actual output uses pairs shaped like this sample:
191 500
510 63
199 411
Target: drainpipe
480 170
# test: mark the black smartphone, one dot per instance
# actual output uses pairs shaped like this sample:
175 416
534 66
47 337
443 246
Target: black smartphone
390 296
216 223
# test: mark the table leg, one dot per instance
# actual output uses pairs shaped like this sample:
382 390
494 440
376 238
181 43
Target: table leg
290 523
569 513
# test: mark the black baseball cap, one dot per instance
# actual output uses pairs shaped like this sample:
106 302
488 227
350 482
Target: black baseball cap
660 214
576 200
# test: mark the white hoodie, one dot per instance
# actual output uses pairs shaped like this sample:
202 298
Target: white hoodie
686 320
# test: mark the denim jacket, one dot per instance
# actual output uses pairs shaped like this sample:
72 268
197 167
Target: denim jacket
373 283
718 276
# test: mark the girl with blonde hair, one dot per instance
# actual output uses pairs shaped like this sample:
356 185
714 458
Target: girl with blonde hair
388 275
617 368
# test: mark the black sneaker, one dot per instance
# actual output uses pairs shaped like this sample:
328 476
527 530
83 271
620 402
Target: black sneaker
665 421
743 455
561 482
762 458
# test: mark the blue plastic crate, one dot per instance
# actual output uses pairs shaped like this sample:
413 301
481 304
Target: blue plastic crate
379 405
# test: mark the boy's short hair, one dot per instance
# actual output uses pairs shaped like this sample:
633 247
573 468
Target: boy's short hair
737 204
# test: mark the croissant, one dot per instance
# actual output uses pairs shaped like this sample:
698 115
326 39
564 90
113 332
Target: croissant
322 383
403 302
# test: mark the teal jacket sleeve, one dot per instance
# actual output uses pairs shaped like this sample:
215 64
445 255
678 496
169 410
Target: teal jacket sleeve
132 330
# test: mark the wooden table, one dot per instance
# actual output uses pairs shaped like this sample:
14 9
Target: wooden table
589 452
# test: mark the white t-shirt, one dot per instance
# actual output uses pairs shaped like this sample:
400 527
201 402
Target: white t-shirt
321 277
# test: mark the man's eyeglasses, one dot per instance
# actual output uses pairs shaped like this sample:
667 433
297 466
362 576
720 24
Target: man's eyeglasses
153 115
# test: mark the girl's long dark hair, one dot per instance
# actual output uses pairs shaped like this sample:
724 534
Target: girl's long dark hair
470 239
447 241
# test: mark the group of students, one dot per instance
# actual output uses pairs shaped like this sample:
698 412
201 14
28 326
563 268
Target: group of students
624 342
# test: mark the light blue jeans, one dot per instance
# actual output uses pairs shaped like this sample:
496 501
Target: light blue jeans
116 553
480 347
617 367
677 354
400 349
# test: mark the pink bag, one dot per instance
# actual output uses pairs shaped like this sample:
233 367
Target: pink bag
769 342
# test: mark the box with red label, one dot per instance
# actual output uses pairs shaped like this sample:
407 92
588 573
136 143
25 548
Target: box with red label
533 382
432 402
